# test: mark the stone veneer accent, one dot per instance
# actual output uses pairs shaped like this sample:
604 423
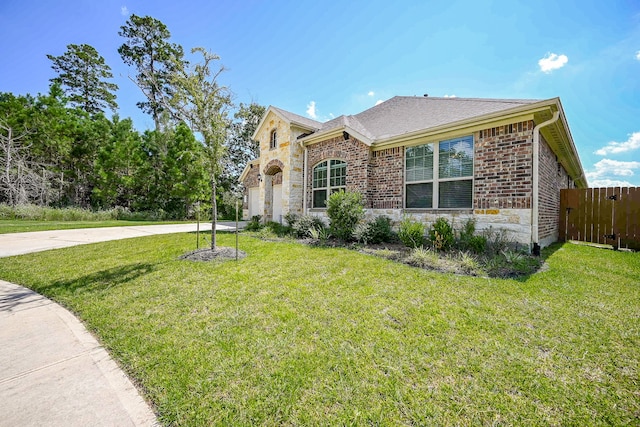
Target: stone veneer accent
288 156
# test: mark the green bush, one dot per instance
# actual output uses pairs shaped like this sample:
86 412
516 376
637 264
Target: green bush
291 218
376 231
380 230
301 228
254 223
411 233
441 235
469 241
497 241
345 209
278 229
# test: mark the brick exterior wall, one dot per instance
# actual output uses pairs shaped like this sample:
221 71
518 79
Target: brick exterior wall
502 167
386 179
352 151
552 178
502 192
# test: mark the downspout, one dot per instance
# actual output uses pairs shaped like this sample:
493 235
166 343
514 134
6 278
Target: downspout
535 240
304 179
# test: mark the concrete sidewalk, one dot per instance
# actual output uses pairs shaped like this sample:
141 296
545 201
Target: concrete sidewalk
53 372
36 241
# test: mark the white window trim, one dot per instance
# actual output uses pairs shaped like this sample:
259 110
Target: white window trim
329 187
436 176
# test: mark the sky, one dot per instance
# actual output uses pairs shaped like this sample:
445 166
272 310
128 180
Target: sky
323 59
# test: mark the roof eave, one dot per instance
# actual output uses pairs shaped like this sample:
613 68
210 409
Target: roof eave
282 117
477 122
334 132
564 147
247 168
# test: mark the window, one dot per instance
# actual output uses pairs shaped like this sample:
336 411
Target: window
328 177
442 181
273 140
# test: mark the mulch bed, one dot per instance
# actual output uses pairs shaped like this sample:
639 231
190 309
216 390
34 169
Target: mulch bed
222 253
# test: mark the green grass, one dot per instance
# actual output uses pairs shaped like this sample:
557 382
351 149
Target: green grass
20 226
296 335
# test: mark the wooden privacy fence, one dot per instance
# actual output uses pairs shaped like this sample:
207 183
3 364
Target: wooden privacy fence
609 216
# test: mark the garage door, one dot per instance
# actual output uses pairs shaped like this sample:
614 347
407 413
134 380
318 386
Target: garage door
277 203
254 201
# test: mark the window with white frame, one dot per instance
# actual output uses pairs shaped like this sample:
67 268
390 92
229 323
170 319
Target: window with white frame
440 175
329 177
273 139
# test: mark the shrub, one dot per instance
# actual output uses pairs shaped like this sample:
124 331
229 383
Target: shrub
345 209
322 234
277 228
361 233
421 257
468 240
411 233
497 241
376 231
254 223
469 264
380 230
301 227
291 218
441 235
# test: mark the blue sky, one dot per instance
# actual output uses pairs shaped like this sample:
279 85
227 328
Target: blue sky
324 59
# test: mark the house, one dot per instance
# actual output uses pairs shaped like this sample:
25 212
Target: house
499 161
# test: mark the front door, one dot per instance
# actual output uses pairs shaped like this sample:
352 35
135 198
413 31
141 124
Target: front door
277 203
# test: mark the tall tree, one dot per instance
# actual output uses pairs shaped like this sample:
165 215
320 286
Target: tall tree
241 147
83 75
147 47
203 104
116 166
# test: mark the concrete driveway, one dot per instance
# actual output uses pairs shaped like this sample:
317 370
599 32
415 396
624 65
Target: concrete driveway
53 372
24 243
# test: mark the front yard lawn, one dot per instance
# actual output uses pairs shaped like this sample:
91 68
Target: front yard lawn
299 335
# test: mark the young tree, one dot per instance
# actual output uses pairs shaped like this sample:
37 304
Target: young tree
147 48
204 105
83 74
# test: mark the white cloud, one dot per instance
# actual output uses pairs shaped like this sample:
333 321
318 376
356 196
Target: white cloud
379 101
124 11
606 171
609 183
633 143
311 110
638 55
450 96
371 93
552 62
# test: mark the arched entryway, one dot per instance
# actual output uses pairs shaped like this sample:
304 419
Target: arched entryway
273 191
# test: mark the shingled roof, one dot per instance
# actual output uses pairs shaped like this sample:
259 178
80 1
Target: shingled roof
405 114
300 120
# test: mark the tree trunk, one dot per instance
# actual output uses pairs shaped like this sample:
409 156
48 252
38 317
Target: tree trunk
214 213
